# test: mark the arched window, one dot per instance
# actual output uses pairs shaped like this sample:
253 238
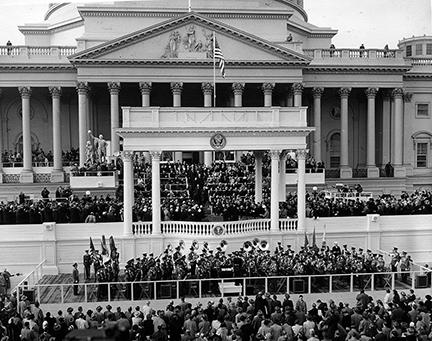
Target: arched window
334 150
19 143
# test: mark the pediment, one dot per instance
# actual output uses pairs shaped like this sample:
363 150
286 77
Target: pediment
188 39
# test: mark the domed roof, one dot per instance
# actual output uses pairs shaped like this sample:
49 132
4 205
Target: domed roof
61 12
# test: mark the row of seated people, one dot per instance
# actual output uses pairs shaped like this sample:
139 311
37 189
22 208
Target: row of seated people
39 156
229 207
396 316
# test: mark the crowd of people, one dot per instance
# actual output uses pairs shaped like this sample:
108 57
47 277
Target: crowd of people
395 317
39 156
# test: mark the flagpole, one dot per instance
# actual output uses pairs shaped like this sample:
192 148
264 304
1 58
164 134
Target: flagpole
214 69
190 6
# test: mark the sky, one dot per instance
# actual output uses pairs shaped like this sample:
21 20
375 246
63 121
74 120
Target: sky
373 23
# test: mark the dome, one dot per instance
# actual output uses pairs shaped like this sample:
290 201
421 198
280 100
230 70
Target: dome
61 12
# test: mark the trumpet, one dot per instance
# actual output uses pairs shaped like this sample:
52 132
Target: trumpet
247 246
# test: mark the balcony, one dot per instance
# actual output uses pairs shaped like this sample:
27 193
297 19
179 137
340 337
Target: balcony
169 118
312 176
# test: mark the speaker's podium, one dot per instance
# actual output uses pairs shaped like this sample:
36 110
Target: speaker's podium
421 281
230 288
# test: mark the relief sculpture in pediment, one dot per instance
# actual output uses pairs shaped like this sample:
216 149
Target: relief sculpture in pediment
189 44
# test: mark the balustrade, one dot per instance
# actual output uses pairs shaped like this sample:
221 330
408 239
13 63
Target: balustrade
353 53
20 50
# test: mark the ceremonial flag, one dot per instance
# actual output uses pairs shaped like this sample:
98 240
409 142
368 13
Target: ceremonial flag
306 241
313 238
218 56
324 236
104 246
92 248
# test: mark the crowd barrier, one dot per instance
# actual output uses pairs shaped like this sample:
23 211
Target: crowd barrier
244 286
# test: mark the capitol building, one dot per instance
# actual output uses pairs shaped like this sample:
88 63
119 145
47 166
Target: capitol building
84 65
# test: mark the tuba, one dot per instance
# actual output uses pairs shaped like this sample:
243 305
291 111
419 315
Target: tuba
255 242
247 246
263 245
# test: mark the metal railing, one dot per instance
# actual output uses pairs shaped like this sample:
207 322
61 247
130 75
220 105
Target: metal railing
32 278
220 287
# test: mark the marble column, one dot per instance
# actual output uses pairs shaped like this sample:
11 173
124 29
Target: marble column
372 169
267 89
83 90
1 143
26 175
156 204
258 176
238 89
386 128
177 88
128 192
145 88
207 89
282 175
274 195
317 94
399 169
114 90
290 97
57 174
298 92
301 189
345 169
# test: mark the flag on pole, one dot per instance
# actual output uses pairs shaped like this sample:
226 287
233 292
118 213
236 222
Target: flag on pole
324 236
92 248
104 246
314 238
306 241
218 56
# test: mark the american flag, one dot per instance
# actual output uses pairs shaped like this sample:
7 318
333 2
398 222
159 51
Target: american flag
219 57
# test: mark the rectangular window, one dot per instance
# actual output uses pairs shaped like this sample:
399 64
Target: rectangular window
422 110
409 51
419 49
421 156
429 49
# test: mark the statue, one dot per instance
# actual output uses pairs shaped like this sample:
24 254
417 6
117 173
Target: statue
99 147
190 38
171 50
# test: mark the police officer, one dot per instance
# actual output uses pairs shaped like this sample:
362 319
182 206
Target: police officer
87 263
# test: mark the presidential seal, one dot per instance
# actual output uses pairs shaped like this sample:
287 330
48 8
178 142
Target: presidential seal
218 141
218 230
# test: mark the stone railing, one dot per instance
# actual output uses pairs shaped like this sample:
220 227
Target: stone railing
421 61
32 51
213 228
353 53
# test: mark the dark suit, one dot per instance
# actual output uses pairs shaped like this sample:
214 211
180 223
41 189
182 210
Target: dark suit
75 277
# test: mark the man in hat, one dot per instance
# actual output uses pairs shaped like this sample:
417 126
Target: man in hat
87 263
75 277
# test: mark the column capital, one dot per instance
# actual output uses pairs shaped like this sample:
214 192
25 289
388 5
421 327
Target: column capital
114 88
145 87
238 88
407 96
267 88
284 154
82 88
297 88
207 88
55 91
25 91
344 92
127 155
371 92
317 92
155 155
176 87
397 93
301 154
275 154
